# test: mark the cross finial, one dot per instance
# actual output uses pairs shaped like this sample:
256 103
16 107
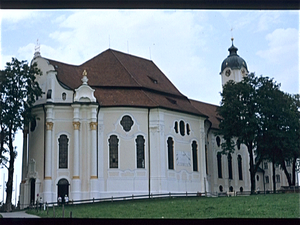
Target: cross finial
37 49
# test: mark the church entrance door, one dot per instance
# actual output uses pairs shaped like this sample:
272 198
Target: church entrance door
63 188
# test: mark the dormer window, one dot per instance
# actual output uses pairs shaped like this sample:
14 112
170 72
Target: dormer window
153 80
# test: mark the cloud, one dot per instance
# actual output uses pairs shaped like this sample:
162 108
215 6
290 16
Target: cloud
282 45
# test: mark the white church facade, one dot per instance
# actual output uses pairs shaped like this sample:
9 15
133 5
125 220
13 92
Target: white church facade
116 126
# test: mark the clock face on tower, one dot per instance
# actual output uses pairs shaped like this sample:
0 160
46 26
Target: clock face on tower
228 72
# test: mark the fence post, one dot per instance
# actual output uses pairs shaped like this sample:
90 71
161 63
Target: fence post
47 208
186 193
93 200
132 196
71 214
63 211
53 211
169 194
112 198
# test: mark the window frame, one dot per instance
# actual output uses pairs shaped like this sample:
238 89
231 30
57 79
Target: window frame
195 156
140 153
240 167
219 164
110 153
63 151
170 153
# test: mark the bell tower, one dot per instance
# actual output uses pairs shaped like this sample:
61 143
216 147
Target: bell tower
233 67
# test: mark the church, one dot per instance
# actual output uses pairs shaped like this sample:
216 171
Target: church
116 126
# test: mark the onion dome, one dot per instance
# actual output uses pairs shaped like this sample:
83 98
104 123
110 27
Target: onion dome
233 61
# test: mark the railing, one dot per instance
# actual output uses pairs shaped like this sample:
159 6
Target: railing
163 195
119 198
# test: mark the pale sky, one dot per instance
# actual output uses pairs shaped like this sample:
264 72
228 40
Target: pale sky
187 45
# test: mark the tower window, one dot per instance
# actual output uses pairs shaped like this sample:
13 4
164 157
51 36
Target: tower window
113 151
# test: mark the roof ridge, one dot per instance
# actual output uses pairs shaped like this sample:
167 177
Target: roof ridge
126 69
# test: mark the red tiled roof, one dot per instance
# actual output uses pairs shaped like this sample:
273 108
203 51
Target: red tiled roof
209 110
121 79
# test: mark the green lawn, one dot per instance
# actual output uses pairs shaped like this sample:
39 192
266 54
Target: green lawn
255 206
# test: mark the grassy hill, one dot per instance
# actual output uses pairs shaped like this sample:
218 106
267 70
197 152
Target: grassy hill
255 206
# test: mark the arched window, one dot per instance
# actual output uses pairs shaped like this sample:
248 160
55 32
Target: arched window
170 143
231 189
63 151
257 177
229 166
195 157
206 159
181 128
238 144
267 179
277 178
140 151
218 140
113 151
176 127
221 188
188 130
240 167
219 158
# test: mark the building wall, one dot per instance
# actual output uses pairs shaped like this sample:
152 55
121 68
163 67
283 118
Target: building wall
225 182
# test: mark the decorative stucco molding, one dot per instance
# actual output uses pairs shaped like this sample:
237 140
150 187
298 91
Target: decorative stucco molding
76 125
49 125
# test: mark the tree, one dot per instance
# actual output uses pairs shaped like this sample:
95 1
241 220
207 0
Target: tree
262 117
19 90
239 119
